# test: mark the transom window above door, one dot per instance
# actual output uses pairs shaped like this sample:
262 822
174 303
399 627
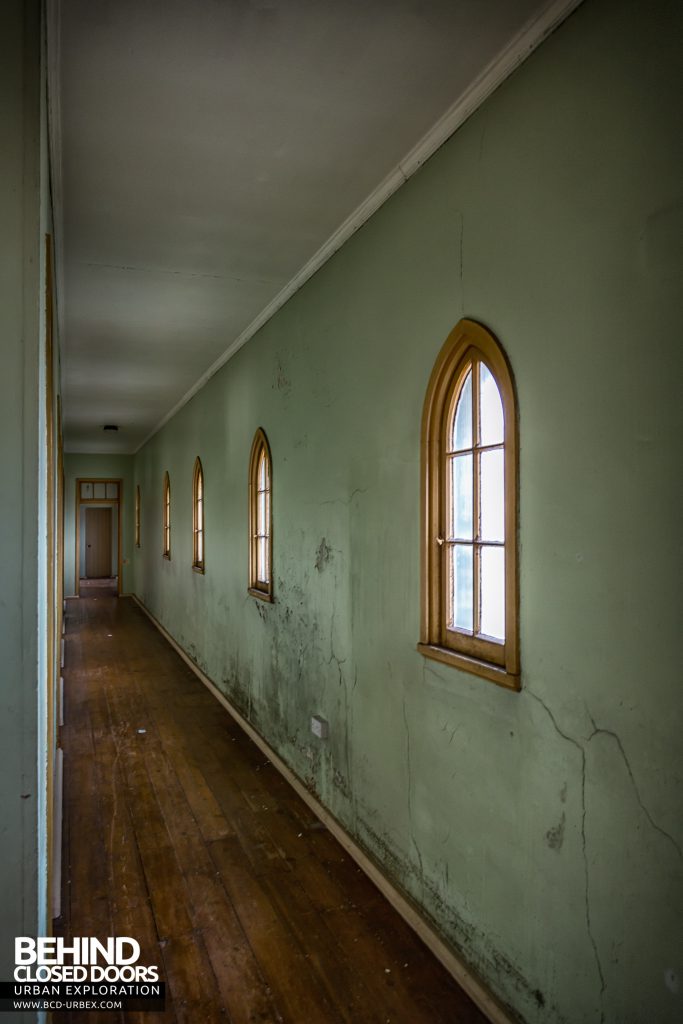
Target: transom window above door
99 490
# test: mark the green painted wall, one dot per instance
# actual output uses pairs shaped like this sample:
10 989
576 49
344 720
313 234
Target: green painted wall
23 511
94 466
541 831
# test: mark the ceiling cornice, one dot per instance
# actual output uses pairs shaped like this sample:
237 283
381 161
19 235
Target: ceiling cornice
504 64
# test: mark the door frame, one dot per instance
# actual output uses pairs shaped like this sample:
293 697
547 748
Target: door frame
102 502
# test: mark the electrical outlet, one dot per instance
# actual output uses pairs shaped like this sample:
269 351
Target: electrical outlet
320 727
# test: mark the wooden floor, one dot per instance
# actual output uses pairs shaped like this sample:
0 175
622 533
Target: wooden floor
179 833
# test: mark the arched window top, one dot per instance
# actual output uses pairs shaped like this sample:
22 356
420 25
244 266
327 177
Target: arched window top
469 513
167 515
198 516
260 518
478 418
262 472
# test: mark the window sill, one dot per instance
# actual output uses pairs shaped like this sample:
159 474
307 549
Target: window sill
262 595
198 568
495 674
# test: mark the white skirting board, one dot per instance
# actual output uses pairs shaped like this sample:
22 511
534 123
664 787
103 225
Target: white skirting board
57 839
467 980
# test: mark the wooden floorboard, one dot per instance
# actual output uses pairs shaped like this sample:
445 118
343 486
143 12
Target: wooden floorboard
180 833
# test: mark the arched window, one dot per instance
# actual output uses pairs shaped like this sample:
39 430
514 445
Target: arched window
198 517
167 516
261 519
137 516
469 509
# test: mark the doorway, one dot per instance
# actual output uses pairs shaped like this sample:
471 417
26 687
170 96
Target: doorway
98 537
98 543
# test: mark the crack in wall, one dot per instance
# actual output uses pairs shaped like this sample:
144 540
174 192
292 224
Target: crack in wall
446 727
341 501
598 731
580 748
333 657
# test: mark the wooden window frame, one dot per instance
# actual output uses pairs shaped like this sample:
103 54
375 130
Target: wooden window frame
467 343
198 564
137 515
260 447
166 517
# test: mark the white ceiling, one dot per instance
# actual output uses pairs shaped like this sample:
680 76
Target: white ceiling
205 150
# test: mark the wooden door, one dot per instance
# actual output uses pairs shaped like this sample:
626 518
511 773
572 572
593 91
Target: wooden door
97 542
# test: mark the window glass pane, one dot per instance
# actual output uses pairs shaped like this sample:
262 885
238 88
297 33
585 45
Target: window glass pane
490 408
461 436
261 519
460 497
99 491
493 592
460 586
262 484
112 491
200 547
492 495
86 490
200 487
262 560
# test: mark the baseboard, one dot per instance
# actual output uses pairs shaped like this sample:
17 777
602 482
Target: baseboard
409 911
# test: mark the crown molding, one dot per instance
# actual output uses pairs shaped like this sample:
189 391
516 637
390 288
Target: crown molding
501 67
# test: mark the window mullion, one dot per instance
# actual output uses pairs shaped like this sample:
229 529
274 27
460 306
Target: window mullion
476 505
446 549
